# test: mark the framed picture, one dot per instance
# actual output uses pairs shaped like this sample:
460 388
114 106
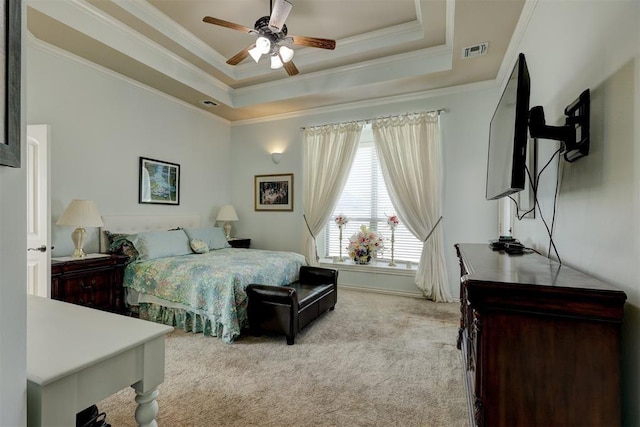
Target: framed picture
10 83
274 192
159 182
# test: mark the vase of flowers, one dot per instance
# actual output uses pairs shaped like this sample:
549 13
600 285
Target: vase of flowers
393 222
364 245
341 221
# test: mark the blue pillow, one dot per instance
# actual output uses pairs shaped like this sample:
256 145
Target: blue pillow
160 244
212 236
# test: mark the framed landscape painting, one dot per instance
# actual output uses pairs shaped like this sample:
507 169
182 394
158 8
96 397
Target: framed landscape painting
274 192
159 182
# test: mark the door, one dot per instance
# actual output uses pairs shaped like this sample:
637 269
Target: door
38 211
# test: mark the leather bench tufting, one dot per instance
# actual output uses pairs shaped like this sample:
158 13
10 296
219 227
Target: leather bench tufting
288 309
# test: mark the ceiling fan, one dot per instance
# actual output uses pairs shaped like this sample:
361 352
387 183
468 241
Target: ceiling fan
272 39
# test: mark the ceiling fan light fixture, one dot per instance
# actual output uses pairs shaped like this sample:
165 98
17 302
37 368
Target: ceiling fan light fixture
286 53
263 44
276 63
255 53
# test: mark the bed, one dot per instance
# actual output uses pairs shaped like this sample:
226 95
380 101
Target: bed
173 280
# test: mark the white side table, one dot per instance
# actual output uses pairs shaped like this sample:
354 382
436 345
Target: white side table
77 356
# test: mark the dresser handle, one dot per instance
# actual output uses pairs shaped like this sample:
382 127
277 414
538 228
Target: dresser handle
86 288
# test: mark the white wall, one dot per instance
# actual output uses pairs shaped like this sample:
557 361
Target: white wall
467 216
13 285
571 46
101 124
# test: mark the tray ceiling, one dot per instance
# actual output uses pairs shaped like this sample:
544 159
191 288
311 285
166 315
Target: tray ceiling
383 48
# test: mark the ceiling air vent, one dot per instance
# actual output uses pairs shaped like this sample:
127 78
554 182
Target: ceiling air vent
475 50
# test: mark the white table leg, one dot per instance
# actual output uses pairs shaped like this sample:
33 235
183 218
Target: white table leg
147 409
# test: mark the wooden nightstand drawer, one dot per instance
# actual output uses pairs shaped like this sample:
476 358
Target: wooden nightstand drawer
89 290
94 281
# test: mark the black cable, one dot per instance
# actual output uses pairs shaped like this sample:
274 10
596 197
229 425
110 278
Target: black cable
549 232
555 205
534 187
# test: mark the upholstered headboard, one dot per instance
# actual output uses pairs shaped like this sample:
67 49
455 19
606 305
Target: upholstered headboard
139 223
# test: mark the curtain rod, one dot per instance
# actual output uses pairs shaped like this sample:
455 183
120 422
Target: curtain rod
369 120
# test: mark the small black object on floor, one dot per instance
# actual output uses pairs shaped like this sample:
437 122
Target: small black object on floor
91 417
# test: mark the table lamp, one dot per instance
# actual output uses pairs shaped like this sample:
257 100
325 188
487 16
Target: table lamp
227 214
80 213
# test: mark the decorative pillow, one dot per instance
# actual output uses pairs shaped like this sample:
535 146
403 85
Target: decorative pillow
119 244
212 236
199 246
160 244
113 237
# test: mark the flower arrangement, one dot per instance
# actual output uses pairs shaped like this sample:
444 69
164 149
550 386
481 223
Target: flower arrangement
341 220
393 222
364 244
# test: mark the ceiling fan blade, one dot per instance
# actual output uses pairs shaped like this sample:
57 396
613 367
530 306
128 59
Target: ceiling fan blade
240 56
292 70
279 14
314 42
227 24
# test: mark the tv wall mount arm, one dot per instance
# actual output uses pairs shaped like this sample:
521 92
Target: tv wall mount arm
575 132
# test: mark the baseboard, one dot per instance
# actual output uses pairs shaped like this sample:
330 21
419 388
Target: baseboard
386 291
381 291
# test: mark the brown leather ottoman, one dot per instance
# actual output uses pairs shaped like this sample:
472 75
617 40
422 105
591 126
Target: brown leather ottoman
288 309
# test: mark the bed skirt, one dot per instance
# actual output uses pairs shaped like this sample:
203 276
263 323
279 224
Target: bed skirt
188 320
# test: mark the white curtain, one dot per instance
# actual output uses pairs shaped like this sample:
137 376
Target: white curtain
329 154
409 151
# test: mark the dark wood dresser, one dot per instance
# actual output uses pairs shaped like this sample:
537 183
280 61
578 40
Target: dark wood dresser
540 341
92 282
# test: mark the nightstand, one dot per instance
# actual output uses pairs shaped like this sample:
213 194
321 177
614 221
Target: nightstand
94 281
238 242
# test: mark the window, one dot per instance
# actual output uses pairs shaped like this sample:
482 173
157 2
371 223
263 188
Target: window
365 200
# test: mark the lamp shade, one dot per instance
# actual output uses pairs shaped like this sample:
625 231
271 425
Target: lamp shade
227 213
81 213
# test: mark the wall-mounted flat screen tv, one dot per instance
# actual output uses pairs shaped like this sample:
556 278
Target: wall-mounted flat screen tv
508 136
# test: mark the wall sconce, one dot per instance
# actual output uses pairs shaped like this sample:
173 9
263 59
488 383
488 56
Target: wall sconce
276 157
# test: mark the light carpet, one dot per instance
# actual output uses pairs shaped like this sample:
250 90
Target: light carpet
376 360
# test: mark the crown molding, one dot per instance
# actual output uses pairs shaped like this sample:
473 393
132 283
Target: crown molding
373 40
160 22
430 60
100 26
512 50
387 37
35 43
394 99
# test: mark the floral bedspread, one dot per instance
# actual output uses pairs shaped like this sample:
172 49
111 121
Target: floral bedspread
213 284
